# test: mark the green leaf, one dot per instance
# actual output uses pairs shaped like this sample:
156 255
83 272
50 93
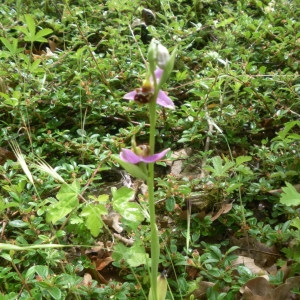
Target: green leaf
93 213
290 196
296 223
54 292
123 194
39 37
134 255
130 211
31 26
18 223
12 47
215 251
132 169
170 204
218 168
6 256
242 159
225 22
68 200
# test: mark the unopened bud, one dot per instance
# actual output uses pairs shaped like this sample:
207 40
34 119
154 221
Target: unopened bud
162 56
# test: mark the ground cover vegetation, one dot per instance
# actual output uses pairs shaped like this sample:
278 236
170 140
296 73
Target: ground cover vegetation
75 225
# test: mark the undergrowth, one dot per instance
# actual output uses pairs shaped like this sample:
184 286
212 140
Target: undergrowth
73 224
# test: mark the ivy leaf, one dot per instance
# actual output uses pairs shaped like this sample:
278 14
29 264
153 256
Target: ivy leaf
93 213
290 196
68 200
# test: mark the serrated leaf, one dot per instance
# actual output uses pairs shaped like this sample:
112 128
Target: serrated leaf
30 24
39 37
68 200
94 222
218 169
123 194
130 211
134 255
290 196
7 44
241 159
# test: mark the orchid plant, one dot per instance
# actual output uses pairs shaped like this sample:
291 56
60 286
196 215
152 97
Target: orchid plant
139 160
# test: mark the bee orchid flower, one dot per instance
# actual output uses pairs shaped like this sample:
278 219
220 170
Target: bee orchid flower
145 93
135 158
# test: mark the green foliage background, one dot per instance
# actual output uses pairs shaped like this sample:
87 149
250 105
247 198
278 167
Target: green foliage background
236 88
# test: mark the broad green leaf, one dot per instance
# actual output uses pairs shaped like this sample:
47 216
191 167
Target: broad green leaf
290 196
130 211
123 194
93 213
68 200
296 223
134 255
54 291
132 169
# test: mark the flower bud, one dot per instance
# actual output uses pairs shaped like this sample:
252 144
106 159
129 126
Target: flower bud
162 56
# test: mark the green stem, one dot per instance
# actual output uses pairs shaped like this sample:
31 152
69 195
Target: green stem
154 232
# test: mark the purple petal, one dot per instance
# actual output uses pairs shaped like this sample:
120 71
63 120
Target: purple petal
164 100
130 95
158 72
154 157
130 157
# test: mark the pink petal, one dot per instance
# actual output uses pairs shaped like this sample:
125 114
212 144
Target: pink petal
154 157
164 100
130 157
158 72
130 95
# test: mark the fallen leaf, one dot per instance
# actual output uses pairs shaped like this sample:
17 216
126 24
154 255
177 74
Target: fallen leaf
225 208
112 221
5 155
249 263
101 263
87 279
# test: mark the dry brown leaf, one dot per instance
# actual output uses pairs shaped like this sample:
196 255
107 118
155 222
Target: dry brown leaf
263 255
87 279
112 221
101 263
225 208
259 288
97 250
249 263
5 155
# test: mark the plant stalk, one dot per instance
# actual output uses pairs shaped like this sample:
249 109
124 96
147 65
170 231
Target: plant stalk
150 182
